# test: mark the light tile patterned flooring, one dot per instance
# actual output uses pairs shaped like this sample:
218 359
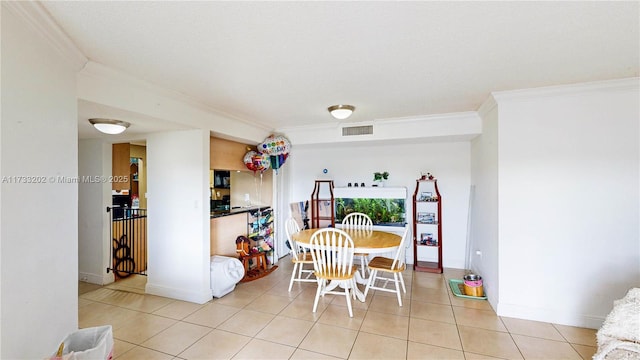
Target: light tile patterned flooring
262 320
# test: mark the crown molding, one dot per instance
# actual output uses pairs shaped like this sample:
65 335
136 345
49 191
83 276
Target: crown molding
425 118
487 106
626 84
100 71
37 17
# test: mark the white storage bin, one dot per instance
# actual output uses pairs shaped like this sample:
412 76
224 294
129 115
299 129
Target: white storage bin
226 272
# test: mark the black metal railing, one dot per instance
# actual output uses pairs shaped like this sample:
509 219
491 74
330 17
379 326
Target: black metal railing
129 234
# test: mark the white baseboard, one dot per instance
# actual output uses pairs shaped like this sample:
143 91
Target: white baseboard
108 278
555 316
454 264
198 297
98 279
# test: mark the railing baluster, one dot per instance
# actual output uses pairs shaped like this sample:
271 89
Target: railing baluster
129 232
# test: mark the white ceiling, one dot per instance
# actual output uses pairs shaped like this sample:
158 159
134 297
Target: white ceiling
283 63
143 124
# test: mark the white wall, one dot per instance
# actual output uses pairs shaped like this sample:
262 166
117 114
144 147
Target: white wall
569 201
178 216
94 245
483 230
449 162
39 224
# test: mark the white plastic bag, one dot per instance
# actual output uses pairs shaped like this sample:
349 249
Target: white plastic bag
95 343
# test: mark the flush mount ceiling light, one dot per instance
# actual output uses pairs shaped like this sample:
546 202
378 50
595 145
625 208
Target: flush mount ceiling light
109 126
341 112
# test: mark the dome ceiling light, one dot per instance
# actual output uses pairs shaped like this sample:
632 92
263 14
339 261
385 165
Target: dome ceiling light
341 112
109 126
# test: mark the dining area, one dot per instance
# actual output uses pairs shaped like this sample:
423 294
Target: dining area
270 318
349 261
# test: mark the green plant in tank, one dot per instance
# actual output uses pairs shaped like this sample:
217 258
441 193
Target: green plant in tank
381 211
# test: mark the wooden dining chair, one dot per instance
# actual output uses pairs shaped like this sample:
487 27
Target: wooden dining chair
299 256
395 267
332 252
359 221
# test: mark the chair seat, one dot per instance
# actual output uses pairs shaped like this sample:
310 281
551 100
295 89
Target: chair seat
303 258
329 276
384 264
395 266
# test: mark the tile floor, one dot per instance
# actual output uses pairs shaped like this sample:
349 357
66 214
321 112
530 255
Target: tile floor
262 320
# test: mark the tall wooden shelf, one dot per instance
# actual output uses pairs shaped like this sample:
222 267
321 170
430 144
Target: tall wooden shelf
427 226
322 204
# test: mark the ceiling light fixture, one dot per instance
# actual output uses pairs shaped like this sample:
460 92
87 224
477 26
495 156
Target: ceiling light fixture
109 126
341 112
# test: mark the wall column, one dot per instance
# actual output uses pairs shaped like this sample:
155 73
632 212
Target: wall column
178 215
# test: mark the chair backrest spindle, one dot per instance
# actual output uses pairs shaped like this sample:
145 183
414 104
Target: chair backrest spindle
292 227
332 252
357 221
399 259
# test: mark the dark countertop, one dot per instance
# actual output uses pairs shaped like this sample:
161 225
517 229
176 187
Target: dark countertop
222 213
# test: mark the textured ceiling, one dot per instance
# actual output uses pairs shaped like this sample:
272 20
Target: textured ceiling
283 63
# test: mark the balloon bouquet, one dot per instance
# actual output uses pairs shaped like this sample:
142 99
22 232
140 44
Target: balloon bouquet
271 153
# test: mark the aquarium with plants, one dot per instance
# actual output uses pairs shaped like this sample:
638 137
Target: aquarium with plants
381 211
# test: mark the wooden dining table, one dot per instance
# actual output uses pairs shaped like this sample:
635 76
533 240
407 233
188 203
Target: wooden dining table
364 241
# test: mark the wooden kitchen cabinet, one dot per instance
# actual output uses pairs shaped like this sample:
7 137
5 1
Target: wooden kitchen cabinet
227 155
120 166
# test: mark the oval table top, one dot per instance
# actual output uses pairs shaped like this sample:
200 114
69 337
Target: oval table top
364 241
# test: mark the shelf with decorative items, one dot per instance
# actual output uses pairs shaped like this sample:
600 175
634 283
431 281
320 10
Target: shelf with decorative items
323 205
260 232
427 225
